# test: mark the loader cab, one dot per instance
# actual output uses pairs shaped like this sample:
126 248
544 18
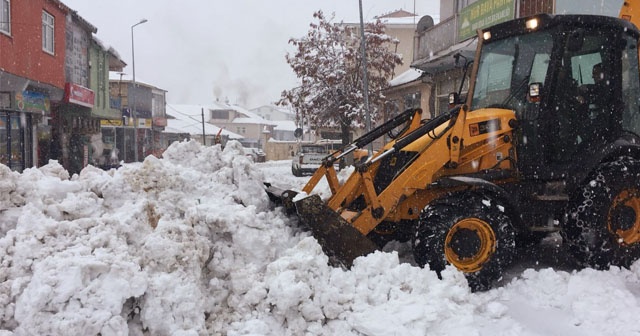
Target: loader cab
542 68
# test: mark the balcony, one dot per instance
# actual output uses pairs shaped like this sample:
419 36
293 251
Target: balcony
435 39
437 45
457 34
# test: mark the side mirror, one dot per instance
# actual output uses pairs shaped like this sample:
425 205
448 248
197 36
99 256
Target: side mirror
454 99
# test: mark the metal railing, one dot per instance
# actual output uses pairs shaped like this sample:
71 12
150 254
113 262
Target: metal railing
436 38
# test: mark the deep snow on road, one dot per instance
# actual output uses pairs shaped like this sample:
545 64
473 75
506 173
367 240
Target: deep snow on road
190 245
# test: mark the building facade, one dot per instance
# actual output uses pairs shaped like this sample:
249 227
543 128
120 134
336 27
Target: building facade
103 59
146 120
32 58
53 85
71 116
254 129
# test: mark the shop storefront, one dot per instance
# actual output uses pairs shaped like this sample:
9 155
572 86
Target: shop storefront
24 133
119 135
15 133
74 127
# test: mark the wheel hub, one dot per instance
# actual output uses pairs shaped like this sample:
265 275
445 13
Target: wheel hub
469 244
465 243
622 219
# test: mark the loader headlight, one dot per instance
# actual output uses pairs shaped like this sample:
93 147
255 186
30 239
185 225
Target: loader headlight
532 24
486 35
453 98
534 92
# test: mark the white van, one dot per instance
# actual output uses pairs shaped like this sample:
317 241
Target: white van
308 157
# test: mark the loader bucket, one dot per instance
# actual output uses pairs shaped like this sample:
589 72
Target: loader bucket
339 240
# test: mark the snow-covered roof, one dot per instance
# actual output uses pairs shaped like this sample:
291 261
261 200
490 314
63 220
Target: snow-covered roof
188 119
114 53
126 77
400 21
285 125
399 17
274 108
406 77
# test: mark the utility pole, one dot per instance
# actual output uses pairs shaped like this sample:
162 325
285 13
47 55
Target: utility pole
365 79
133 95
204 138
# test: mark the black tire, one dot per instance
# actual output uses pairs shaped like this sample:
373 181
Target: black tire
296 172
602 224
469 231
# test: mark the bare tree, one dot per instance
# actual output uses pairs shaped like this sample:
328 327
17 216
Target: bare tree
328 62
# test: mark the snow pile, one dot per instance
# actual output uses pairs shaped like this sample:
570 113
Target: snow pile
149 247
189 245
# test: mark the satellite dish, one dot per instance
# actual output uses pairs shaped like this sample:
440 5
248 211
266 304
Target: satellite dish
298 132
425 23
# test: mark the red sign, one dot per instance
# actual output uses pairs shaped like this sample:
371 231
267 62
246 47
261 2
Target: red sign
159 122
79 95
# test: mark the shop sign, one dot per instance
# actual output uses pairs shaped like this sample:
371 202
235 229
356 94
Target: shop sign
29 101
159 122
482 14
79 95
111 122
142 123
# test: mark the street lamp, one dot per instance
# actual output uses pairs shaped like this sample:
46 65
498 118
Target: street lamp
133 94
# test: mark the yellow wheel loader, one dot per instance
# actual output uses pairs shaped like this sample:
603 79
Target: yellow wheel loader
541 144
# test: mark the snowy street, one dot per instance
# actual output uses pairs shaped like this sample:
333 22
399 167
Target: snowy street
190 245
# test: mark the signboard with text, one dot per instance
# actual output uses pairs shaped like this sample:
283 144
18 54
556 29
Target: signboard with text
142 123
111 122
29 101
79 95
482 14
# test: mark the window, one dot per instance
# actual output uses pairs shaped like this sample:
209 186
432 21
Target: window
220 114
464 3
5 16
157 105
507 66
630 88
412 100
5 99
48 24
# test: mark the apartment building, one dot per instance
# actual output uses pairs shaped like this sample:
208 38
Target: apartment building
53 85
32 56
144 117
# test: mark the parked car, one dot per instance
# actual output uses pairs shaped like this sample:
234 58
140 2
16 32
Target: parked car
308 157
256 154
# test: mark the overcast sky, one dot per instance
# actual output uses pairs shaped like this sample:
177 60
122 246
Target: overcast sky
201 49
